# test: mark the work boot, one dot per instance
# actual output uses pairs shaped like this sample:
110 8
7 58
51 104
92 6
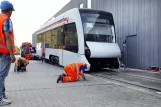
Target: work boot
59 78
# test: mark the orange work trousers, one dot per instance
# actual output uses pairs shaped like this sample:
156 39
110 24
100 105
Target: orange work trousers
71 75
27 56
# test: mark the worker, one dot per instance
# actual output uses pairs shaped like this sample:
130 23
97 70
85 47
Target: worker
27 52
74 71
7 47
21 64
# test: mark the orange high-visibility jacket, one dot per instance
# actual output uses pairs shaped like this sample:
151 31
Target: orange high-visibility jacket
3 47
73 72
76 67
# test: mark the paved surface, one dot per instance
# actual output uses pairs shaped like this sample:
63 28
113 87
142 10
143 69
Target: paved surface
38 88
147 79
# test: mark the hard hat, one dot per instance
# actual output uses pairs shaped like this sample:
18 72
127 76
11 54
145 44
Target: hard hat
6 5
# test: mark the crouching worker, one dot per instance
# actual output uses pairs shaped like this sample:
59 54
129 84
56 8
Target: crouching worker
74 71
20 64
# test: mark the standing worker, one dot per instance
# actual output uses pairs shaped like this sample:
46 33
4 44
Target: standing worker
7 47
74 71
27 52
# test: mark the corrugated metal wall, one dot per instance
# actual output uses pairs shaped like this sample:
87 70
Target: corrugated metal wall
133 17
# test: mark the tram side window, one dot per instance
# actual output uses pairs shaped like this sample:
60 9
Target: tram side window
59 37
71 37
39 40
43 40
53 39
48 39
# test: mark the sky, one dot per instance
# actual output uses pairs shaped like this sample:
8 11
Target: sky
29 15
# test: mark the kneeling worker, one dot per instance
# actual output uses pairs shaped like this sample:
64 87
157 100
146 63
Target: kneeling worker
74 71
21 64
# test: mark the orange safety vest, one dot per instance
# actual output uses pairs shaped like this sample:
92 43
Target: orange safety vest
3 46
76 67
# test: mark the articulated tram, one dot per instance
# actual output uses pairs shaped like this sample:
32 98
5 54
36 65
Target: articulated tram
84 35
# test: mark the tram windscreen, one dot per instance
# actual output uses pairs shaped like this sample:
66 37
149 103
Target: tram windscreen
98 27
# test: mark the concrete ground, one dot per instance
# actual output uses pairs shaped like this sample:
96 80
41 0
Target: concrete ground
38 88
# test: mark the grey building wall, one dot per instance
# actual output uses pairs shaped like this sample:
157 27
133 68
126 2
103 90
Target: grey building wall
136 17
133 17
